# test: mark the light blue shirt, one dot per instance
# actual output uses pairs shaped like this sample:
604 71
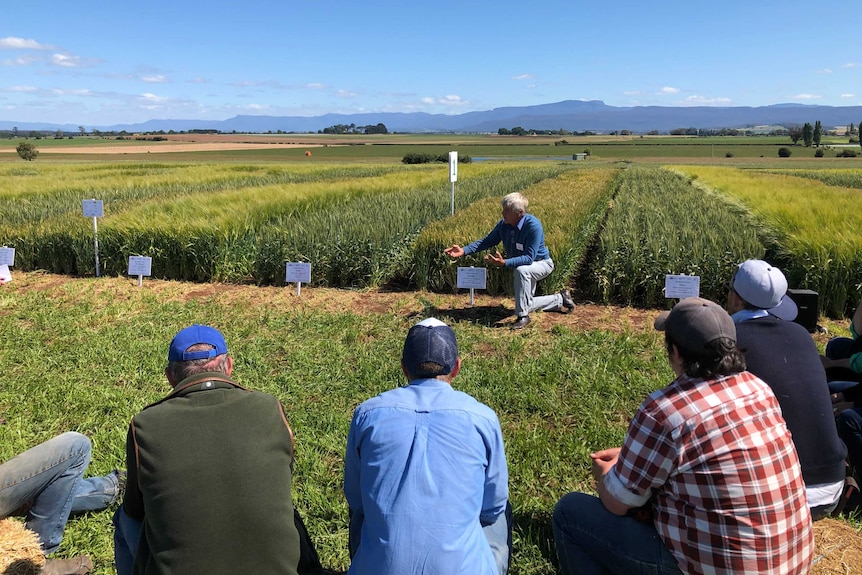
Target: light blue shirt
748 314
425 468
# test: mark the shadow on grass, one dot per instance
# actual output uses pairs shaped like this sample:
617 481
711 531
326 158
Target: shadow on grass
534 530
488 316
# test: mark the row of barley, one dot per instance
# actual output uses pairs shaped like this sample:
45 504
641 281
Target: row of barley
34 194
354 224
614 233
815 227
661 225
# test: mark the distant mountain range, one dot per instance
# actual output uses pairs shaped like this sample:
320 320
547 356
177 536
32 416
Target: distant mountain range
571 115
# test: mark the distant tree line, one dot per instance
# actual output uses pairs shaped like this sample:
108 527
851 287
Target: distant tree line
354 129
414 158
519 131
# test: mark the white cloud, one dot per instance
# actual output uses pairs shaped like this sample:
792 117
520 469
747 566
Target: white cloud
848 95
22 89
346 94
153 98
75 92
154 79
806 97
524 77
20 61
669 90
13 43
851 65
316 86
824 71
704 101
451 100
631 92
65 60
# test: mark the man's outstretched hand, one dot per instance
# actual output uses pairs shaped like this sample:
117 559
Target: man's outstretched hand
455 251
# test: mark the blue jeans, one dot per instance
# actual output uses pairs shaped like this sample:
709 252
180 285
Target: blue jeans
849 424
127 531
50 476
592 540
498 534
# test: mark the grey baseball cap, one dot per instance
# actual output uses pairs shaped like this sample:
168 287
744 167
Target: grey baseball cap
695 322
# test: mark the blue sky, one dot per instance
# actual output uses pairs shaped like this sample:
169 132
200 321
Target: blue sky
99 62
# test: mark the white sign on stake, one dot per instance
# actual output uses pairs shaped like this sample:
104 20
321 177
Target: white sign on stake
681 286
453 176
140 266
473 278
453 167
94 209
7 256
297 272
5 274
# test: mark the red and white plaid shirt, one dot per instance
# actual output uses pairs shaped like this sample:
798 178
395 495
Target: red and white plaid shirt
718 464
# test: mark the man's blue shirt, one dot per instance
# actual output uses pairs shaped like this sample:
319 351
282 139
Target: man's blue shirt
524 244
425 467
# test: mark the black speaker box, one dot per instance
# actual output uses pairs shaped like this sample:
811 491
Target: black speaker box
806 301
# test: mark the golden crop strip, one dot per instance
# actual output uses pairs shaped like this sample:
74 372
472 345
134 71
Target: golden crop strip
817 227
802 209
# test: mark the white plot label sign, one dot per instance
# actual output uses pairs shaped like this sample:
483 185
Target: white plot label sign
7 256
93 208
681 286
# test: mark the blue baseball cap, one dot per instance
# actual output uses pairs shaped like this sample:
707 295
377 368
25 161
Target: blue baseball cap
194 335
430 341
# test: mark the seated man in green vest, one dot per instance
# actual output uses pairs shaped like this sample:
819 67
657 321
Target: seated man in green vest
209 475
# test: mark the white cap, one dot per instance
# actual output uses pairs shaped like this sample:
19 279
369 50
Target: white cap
764 287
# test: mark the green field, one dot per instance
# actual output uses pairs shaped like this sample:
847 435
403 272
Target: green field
81 353
392 147
88 354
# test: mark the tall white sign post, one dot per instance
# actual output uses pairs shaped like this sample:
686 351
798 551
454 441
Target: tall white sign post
94 209
473 278
298 272
453 177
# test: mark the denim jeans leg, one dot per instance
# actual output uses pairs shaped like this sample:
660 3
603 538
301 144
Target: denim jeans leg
499 536
48 476
126 534
841 386
839 348
592 540
849 424
96 493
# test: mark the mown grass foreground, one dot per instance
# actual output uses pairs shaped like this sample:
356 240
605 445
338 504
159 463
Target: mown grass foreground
87 354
